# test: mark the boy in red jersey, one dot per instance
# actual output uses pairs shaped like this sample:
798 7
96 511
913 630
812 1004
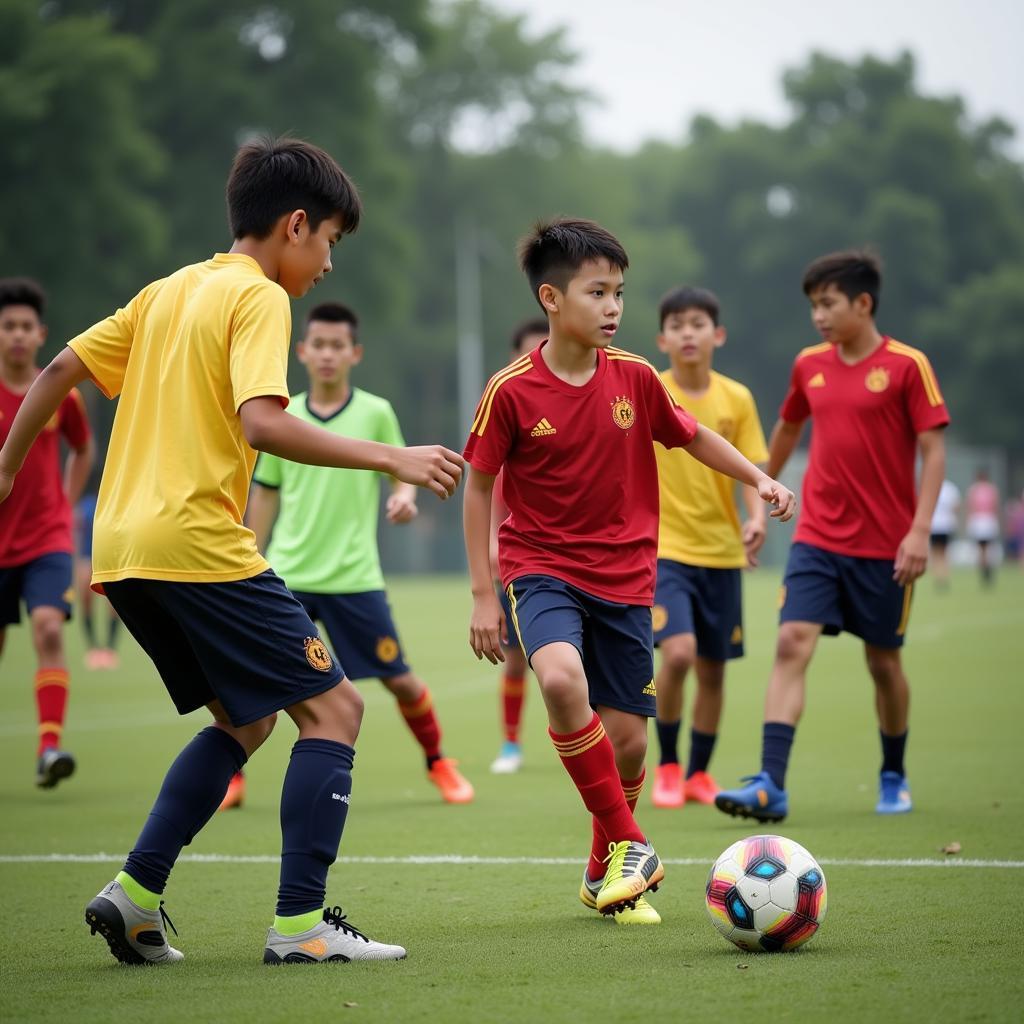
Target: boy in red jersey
570 426
862 538
35 521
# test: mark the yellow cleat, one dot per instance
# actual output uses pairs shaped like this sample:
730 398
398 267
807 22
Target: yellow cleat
633 868
642 913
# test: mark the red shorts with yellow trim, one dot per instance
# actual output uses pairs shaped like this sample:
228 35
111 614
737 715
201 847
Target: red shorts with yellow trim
844 593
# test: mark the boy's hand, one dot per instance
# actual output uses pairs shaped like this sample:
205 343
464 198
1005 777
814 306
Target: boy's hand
782 498
487 628
400 508
6 484
431 466
753 539
911 558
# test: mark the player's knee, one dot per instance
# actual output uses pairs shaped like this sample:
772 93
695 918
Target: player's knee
884 667
795 642
48 639
561 686
678 656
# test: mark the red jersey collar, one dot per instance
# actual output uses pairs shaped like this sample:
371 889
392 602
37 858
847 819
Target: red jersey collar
566 388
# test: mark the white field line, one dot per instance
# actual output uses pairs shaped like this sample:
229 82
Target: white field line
460 860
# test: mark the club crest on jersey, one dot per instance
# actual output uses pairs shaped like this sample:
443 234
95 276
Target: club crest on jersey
623 412
317 654
877 379
387 648
659 618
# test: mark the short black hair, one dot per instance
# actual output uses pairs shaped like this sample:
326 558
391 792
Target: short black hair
271 177
555 249
853 271
689 297
22 291
334 313
534 325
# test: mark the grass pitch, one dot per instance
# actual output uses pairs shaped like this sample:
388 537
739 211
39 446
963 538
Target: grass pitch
509 941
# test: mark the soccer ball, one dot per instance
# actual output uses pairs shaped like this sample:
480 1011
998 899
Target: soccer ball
766 894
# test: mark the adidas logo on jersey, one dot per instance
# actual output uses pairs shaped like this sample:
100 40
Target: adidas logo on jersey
543 428
817 381
650 690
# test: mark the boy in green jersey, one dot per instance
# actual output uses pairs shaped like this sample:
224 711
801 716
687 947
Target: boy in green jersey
324 543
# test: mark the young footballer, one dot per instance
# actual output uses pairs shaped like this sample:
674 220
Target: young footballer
35 521
198 359
526 337
324 543
862 537
570 426
702 546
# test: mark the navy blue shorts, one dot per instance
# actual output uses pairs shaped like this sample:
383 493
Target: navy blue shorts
361 631
614 640
841 592
247 643
705 602
86 509
513 636
45 582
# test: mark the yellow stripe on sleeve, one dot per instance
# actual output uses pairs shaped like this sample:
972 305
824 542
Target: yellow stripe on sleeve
484 413
924 367
494 383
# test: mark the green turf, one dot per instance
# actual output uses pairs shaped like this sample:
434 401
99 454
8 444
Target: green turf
511 943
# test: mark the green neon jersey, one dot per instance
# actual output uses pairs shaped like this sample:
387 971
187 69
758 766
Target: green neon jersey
325 537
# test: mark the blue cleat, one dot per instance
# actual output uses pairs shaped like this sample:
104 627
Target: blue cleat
893 794
761 799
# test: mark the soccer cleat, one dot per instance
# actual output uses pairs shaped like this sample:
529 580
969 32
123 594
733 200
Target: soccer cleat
893 794
110 658
509 759
641 913
94 659
668 786
701 788
134 935
761 799
52 766
235 793
455 788
334 940
633 869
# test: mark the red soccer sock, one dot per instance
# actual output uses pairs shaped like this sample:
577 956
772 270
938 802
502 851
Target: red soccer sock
513 690
631 789
419 716
51 702
590 761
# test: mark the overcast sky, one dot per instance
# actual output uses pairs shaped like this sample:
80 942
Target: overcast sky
655 63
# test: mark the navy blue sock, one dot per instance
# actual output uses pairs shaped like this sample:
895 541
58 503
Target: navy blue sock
192 790
893 748
314 805
776 741
668 740
701 746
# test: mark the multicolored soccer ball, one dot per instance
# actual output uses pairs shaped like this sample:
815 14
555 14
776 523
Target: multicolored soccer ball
766 894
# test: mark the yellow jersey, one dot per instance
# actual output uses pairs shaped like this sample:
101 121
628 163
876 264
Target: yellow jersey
700 524
184 355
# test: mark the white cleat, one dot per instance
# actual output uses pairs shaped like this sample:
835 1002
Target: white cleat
334 940
509 759
135 935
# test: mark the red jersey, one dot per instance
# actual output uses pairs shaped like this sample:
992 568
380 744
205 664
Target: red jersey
859 494
579 474
36 517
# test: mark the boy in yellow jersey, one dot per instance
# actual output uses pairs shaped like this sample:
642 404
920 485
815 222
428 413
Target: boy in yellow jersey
702 547
199 360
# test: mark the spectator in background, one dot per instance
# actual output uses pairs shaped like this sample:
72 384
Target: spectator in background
944 524
983 521
1014 544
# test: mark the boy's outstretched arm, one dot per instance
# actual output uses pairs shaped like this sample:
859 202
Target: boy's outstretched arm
784 439
717 454
43 399
487 627
268 428
912 556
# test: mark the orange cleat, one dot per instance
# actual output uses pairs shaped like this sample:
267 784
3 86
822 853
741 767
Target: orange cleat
235 794
455 788
94 659
110 658
668 786
701 788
